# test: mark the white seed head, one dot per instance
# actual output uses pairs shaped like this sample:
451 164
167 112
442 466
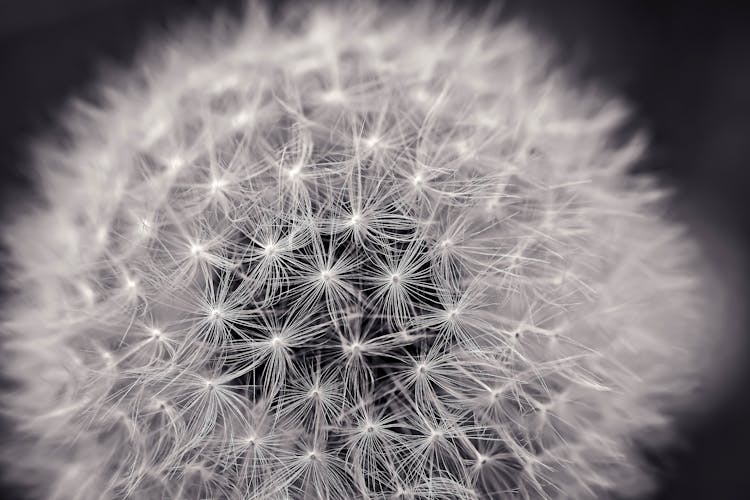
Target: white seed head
423 243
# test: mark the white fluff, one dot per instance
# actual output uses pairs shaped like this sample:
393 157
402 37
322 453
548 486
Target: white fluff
364 252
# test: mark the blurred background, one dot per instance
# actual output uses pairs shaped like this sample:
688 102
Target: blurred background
683 66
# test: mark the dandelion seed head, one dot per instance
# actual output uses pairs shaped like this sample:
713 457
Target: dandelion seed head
380 274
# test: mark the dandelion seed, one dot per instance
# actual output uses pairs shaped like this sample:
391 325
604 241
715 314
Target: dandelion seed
217 185
175 163
334 96
421 95
240 119
294 172
144 227
101 235
270 249
418 181
371 142
196 249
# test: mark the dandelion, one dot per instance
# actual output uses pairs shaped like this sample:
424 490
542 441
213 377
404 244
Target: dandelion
369 252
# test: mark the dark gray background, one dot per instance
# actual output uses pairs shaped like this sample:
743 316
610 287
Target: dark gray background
684 66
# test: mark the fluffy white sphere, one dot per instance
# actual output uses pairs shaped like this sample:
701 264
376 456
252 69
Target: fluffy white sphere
373 253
